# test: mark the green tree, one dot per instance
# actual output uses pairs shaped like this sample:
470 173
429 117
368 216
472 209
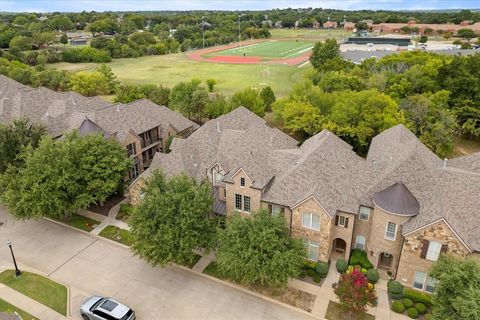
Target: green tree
466 34
211 84
323 52
268 97
14 137
339 80
189 98
20 20
143 38
457 294
423 39
216 107
172 221
111 78
62 23
61 176
249 98
127 26
89 83
42 39
361 26
64 38
258 250
104 26
20 43
447 35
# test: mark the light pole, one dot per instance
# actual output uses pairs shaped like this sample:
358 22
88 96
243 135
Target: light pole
17 271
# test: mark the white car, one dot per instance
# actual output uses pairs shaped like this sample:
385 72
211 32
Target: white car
98 308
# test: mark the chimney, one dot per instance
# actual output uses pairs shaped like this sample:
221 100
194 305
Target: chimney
218 127
445 163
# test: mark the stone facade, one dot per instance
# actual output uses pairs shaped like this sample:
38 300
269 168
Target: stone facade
322 236
342 233
247 190
411 260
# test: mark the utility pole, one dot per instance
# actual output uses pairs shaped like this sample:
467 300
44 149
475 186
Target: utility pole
203 31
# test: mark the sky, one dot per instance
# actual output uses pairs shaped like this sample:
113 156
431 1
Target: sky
146 5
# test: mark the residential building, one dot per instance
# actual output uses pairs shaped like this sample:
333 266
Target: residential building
436 28
401 204
143 127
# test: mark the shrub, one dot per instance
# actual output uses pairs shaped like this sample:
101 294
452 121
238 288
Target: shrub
359 257
412 313
398 307
303 273
372 275
309 264
341 265
317 278
322 268
417 296
407 303
428 316
86 54
421 308
310 272
395 289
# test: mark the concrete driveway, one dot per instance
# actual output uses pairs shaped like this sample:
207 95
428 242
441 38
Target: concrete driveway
93 266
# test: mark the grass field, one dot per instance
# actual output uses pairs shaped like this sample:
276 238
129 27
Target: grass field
309 34
9 309
269 49
170 69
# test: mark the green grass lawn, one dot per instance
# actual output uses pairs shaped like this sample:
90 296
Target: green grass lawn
8 308
171 69
310 34
212 270
116 234
335 312
39 288
81 222
269 49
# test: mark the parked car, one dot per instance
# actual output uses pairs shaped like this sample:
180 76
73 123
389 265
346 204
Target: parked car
99 308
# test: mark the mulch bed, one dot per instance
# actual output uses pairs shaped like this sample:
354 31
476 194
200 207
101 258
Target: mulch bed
107 205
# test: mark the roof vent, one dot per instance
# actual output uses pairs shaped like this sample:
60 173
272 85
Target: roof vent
218 127
73 102
343 167
445 163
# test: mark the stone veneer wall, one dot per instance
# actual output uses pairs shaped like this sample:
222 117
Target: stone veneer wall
344 233
323 236
410 261
376 241
235 188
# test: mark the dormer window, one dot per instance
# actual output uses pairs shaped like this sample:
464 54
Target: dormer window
242 182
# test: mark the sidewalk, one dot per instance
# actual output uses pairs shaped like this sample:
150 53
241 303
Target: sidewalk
29 305
111 219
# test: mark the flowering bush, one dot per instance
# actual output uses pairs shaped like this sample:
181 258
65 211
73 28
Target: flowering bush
354 291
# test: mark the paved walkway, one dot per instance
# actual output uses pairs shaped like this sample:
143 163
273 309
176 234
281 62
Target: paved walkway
204 262
29 305
111 219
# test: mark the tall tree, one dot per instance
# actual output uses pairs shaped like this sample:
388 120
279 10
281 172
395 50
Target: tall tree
249 98
62 176
189 98
89 83
258 250
111 78
466 34
323 52
173 219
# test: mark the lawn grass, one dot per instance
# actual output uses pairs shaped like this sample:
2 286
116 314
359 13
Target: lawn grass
124 212
335 312
39 288
81 222
168 70
310 34
212 270
8 308
116 234
269 49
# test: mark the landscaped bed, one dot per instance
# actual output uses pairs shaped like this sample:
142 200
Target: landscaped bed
414 304
116 234
80 222
39 288
336 312
10 309
291 296
314 272
124 212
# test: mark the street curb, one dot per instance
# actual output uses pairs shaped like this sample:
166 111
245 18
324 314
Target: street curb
226 283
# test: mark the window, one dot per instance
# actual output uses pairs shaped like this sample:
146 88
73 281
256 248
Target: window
360 242
433 252
218 177
238 202
341 221
242 182
134 171
246 203
131 149
423 282
310 221
276 210
364 213
312 249
242 203
390 231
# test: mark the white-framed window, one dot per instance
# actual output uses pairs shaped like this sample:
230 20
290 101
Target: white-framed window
242 203
390 231
360 242
218 177
341 221
312 249
276 210
364 213
434 248
310 221
242 182
422 281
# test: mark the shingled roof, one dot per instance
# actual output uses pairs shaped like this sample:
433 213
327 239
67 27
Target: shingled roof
397 199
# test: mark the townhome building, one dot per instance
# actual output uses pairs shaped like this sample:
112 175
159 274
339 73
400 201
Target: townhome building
142 127
401 203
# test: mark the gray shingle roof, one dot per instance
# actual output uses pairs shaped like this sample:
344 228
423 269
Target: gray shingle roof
397 199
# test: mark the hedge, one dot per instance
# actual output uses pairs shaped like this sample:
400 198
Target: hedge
341 265
395 290
317 278
412 313
421 308
398 307
86 54
418 296
359 257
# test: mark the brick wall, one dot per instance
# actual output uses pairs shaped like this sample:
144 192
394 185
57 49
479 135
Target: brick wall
235 188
